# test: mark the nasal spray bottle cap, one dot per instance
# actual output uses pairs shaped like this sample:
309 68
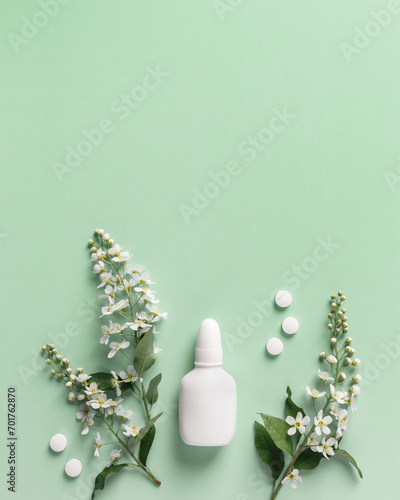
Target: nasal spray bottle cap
209 347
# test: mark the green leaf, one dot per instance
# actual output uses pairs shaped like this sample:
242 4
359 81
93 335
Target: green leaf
144 430
277 429
144 353
268 452
308 460
103 381
292 410
152 391
107 471
350 459
145 445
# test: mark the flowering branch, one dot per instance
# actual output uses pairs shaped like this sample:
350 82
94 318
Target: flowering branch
308 441
127 293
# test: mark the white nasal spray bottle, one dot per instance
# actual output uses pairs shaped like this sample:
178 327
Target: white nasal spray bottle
207 396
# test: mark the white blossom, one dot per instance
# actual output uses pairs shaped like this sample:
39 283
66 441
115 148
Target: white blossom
294 478
314 393
326 447
338 396
116 346
324 376
299 423
130 430
88 422
130 375
312 441
97 445
115 454
321 423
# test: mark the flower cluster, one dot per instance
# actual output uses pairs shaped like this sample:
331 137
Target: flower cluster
319 436
128 297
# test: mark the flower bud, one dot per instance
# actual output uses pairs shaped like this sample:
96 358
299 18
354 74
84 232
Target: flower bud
343 298
69 384
330 326
100 232
340 293
91 242
52 346
72 377
60 376
331 359
323 355
348 361
106 237
53 372
333 340
342 376
334 305
355 389
79 371
111 242
44 348
330 315
54 351
48 361
59 358
333 297
349 340
356 362
69 371
93 250
357 378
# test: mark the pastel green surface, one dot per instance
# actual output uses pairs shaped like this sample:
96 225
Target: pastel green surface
211 75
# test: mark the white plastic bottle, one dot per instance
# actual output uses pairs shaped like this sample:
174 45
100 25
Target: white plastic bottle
207 396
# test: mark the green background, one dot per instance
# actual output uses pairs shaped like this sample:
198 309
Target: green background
331 173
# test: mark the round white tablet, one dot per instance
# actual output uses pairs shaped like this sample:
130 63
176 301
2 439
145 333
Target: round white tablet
73 467
274 346
58 442
290 325
283 298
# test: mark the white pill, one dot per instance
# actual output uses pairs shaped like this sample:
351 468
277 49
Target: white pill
274 346
73 467
58 442
283 298
290 325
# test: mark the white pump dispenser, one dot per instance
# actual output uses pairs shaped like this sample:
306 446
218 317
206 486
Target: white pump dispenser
207 396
